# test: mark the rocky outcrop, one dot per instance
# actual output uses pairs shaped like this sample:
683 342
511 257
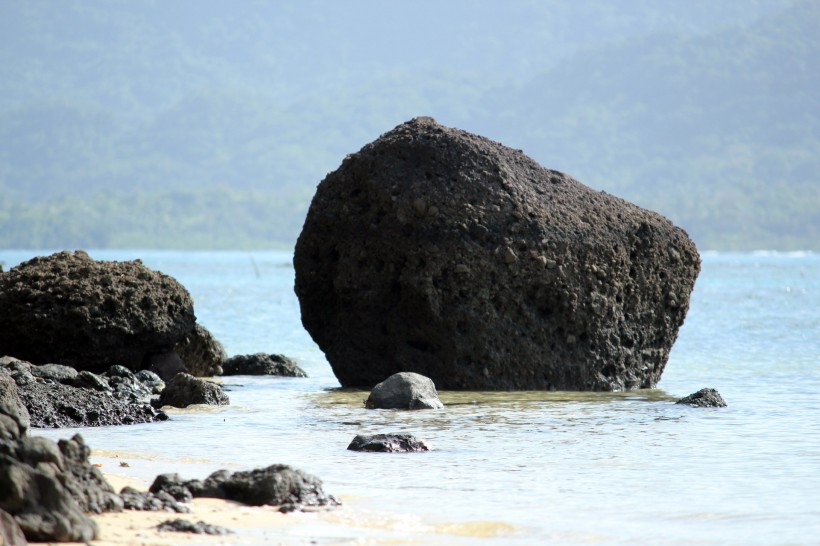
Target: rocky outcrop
201 353
49 488
262 364
14 417
59 396
704 398
277 485
440 252
185 389
387 443
405 390
70 309
10 532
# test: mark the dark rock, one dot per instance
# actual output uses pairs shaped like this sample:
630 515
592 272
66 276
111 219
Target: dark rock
387 443
49 488
150 380
14 417
88 314
201 353
185 526
10 532
134 499
88 380
704 398
166 365
277 485
90 402
55 372
262 364
404 390
440 252
173 485
185 389
87 484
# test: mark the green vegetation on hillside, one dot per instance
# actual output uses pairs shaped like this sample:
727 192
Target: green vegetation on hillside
187 125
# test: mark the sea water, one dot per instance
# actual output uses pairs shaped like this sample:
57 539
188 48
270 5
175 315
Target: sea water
517 467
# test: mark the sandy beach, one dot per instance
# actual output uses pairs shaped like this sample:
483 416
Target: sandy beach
249 525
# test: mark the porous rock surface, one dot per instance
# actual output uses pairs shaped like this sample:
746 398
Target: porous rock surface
441 252
73 310
704 398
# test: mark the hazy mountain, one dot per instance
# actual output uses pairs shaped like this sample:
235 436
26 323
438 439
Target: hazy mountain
155 123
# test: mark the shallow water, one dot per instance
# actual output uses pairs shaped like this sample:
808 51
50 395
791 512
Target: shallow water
521 467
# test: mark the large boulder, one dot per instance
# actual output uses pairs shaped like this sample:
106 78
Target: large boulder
87 314
440 252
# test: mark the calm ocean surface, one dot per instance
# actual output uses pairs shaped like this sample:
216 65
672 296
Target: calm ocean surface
521 467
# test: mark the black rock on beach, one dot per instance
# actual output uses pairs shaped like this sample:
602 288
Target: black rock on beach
59 396
277 485
47 487
440 252
262 364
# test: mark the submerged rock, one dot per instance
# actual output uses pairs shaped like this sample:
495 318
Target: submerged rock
262 364
405 390
440 252
185 389
387 443
88 314
704 398
277 485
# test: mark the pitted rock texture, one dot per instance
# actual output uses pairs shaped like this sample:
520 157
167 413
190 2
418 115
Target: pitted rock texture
87 314
440 252
704 398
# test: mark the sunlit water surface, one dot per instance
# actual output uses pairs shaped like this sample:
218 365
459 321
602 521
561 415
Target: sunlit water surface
519 467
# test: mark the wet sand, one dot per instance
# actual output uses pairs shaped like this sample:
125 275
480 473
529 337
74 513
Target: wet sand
252 525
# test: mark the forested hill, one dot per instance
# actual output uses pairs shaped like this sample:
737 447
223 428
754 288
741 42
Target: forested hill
190 124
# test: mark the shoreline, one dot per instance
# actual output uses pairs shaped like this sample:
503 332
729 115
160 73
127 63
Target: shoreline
258 525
